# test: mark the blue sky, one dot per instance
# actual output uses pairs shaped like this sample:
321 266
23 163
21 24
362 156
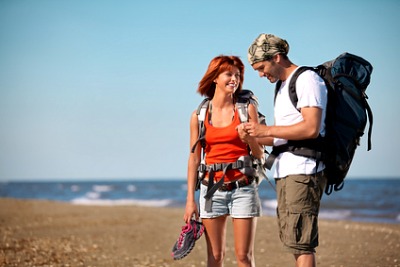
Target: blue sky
105 89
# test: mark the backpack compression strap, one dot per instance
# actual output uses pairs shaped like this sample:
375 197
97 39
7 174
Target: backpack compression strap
371 119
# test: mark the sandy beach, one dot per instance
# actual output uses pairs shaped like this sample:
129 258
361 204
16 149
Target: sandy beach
44 233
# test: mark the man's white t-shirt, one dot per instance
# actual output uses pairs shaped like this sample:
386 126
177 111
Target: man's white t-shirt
311 92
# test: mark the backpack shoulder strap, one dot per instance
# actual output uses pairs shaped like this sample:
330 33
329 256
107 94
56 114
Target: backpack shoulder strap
244 98
201 116
202 109
277 87
292 85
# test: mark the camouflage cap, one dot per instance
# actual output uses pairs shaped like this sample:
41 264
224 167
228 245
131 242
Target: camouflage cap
265 46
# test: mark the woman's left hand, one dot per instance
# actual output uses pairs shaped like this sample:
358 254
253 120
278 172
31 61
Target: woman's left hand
243 134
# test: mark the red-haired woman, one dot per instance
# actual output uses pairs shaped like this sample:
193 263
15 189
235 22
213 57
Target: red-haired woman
238 195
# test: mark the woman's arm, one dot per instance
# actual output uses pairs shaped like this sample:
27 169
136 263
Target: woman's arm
193 164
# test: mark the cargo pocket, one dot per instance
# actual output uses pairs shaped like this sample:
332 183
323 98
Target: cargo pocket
292 231
303 231
281 226
297 193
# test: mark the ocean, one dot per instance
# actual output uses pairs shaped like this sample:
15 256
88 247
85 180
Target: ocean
363 200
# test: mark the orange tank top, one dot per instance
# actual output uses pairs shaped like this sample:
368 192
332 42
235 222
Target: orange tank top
223 145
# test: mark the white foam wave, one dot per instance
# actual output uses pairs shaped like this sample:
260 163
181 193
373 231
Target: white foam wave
398 218
335 214
75 188
269 208
270 204
121 202
184 187
92 195
131 188
102 188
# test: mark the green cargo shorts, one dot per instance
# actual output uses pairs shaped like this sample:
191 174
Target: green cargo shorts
299 199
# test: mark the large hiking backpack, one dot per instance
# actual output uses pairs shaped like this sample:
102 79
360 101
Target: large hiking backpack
246 164
347 78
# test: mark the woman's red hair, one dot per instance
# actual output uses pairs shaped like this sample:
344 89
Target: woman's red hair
218 65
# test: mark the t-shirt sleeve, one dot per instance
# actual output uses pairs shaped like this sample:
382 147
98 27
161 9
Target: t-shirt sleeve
311 90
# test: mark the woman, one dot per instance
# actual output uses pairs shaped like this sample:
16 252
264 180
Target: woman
221 83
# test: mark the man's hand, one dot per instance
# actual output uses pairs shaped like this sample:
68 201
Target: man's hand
255 129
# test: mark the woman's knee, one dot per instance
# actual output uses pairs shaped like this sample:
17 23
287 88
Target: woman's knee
244 256
216 257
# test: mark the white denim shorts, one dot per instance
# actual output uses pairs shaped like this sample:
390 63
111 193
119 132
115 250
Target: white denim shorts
242 202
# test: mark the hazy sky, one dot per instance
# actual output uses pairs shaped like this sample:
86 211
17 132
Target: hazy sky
105 89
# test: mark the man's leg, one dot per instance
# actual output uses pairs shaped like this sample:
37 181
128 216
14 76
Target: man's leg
303 194
305 260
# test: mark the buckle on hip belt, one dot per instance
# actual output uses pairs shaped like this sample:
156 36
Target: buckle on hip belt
233 185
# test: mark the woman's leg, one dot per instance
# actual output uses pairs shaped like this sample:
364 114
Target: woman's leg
215 232
244 232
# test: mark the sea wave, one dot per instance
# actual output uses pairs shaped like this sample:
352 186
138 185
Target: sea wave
335 214
269 209
361 200
102 188
93 195
270 203
131 188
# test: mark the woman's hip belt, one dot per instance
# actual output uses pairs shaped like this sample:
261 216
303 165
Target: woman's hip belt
233 185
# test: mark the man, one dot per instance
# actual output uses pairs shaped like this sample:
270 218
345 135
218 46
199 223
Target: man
300 181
